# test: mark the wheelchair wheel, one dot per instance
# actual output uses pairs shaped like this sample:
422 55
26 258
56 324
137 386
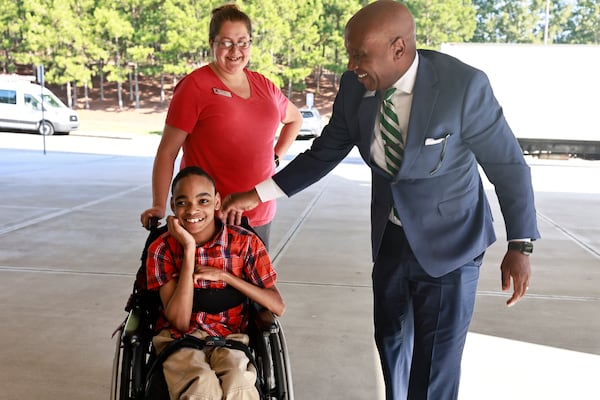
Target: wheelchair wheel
285 368
274 369
129 365
116 375
125 382
127 379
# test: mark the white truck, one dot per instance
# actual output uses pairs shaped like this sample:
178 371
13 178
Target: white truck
550 94
27 106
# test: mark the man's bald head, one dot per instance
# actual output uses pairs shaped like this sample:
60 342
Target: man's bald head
381 44
384 16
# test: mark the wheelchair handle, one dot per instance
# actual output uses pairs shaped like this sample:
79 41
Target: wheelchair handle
152 223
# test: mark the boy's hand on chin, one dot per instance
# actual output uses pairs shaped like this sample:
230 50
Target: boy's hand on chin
179 233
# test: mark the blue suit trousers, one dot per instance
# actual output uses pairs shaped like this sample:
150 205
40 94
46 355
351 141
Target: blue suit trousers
421 322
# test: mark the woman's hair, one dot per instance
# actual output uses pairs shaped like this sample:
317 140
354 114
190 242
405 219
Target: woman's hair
191 170
227 12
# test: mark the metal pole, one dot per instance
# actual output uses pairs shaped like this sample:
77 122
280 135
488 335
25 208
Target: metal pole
40 76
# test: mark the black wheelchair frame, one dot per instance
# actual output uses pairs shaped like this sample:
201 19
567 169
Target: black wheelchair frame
134 354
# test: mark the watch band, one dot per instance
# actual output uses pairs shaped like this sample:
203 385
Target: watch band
524 247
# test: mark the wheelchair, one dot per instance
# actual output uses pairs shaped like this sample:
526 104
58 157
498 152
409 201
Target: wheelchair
137 372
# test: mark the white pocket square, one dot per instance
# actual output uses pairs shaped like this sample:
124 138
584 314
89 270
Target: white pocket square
432 141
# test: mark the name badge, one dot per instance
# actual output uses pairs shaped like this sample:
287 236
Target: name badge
221 92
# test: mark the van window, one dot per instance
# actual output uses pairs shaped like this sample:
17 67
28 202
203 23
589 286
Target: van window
8 96
51 100
32 102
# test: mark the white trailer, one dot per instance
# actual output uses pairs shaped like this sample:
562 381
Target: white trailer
550 94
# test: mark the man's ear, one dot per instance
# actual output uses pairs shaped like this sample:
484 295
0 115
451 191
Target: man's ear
399 48
217 201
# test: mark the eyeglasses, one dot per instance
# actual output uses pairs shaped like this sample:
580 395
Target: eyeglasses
228 44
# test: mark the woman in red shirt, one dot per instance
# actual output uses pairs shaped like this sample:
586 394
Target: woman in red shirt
225 118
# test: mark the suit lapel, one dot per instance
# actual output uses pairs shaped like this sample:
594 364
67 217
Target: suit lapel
367 112
425 94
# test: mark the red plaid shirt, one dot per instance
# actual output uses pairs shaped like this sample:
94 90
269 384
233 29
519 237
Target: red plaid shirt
233 249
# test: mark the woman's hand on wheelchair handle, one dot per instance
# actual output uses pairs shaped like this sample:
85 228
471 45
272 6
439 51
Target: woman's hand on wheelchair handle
147 216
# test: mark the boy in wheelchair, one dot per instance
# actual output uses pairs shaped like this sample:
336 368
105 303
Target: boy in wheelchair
199 254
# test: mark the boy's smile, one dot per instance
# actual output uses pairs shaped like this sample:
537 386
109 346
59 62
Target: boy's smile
194 220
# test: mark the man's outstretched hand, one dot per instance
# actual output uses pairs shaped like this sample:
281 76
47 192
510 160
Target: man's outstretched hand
233 205
516 267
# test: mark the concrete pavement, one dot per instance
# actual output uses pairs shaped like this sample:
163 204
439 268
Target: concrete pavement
71 240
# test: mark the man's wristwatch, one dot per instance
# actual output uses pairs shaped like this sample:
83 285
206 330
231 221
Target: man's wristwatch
276 160
524 247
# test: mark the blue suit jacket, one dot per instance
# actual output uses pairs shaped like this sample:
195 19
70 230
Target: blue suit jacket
455 124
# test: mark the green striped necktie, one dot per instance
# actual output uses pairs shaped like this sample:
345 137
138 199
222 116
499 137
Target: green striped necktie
390 131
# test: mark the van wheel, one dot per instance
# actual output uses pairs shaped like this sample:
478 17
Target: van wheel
46 128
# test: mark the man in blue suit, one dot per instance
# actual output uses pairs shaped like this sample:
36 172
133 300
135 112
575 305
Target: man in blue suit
430 220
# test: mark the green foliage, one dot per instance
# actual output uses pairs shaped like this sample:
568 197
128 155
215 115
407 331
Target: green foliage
331 33
584 24
442 21
567 21
77 40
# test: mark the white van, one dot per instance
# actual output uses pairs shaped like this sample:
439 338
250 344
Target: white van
21 107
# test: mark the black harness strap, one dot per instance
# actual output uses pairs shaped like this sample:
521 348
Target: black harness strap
189 341
214 301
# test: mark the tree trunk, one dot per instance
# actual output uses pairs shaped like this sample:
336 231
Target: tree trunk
75 95
130 88
86 96
137 88
69 98
102 85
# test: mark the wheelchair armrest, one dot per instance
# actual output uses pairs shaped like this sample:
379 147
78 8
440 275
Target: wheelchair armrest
131 329
265 320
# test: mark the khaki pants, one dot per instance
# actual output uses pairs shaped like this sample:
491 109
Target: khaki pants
214 373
